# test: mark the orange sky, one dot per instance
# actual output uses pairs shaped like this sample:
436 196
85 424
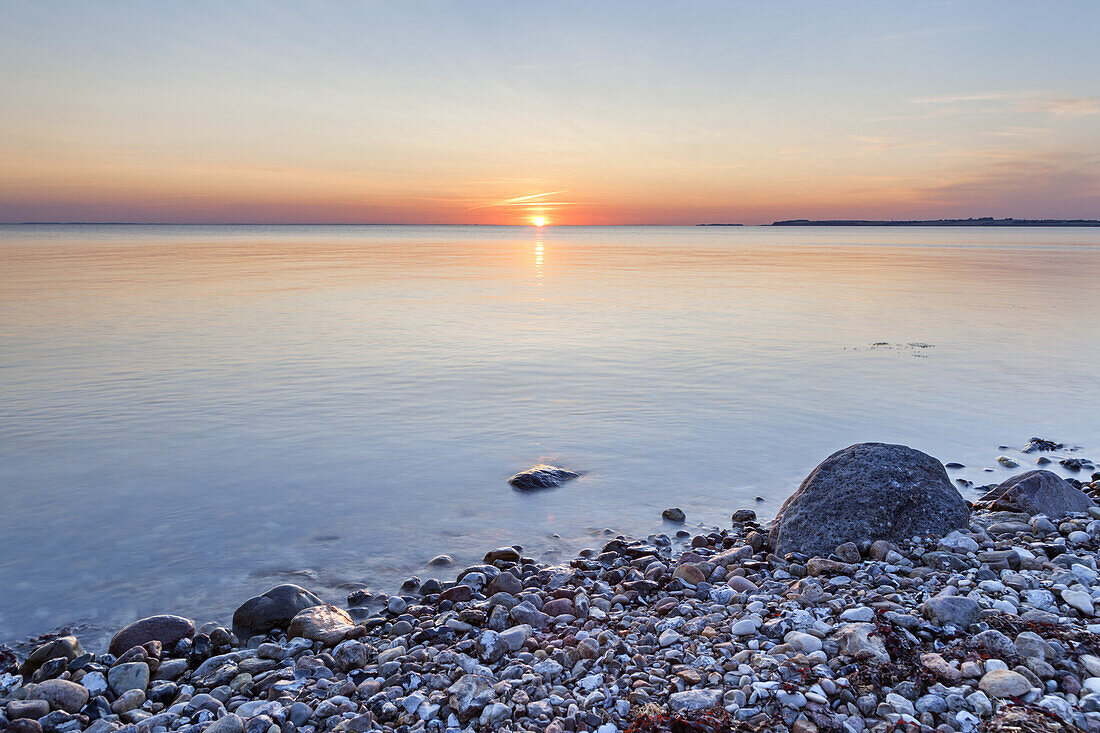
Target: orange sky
492 113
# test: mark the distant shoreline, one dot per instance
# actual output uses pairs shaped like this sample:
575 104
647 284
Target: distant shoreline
982 222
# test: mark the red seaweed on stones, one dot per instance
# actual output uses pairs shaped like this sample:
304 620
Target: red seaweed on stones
1019 717
710 720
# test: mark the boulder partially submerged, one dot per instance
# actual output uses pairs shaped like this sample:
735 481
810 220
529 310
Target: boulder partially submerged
868 491
1037 492
541 476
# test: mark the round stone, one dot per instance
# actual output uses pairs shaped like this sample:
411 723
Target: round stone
1002 683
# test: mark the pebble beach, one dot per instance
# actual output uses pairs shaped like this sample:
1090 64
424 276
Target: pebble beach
989 626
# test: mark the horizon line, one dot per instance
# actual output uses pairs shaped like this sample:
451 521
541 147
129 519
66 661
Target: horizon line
824 222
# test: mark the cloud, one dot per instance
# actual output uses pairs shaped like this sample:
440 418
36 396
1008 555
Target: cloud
868 145
1023 101
1058 184
1066 106
1027 133
971 97
533 199
924 32
518 200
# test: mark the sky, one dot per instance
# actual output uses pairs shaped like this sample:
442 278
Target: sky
577 112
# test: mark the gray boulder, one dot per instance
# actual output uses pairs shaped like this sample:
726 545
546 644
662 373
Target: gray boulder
959 611
541 477
272 610
868 491
1037 492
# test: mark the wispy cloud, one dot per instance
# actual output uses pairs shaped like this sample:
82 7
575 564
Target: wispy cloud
1066 106
1023 101
1027 133
971 97
925 32
869 145
528 200
1011 182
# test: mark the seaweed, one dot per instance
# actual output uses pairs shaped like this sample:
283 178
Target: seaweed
710 720
904 664
1077 640
1018 717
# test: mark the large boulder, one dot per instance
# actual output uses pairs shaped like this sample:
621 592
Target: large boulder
541 477
1037 492
272 610
872 491
166 629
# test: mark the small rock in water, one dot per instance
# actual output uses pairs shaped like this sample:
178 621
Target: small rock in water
441 561
501 554
541 476
675 514
1007 462
743 515
954 464
1040 444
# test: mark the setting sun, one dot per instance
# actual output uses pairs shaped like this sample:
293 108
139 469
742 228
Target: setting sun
539 221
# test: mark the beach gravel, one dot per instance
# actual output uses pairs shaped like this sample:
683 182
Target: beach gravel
958 630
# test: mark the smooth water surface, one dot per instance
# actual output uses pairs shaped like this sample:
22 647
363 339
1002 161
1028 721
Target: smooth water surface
189 415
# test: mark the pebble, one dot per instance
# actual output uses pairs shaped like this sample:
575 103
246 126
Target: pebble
1002 683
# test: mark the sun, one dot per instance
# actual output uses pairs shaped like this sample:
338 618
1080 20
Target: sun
539 221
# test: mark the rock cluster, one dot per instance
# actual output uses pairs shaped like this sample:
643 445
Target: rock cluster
927 632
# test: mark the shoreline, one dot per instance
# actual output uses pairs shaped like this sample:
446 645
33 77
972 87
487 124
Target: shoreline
996 618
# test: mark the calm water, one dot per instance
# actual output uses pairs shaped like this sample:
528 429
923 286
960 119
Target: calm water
189 415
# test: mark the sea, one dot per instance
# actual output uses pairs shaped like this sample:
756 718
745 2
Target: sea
190 415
